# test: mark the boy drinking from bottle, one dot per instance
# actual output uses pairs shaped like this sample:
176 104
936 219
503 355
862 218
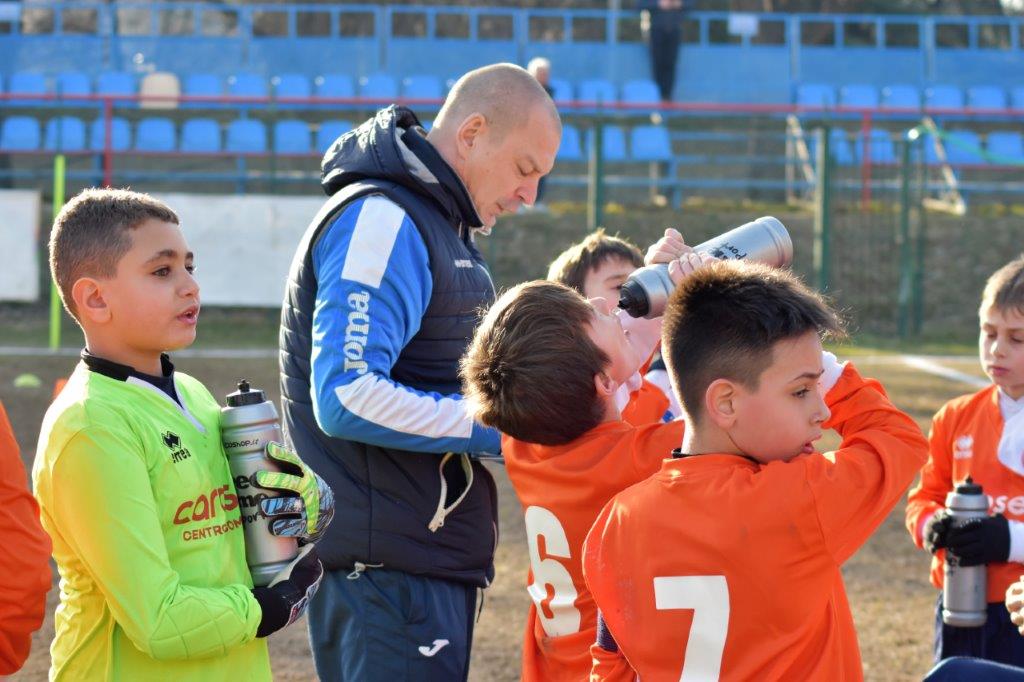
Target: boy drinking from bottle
131 478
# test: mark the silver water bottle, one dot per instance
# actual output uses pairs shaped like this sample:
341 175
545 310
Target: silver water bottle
247 424
765 240
964 588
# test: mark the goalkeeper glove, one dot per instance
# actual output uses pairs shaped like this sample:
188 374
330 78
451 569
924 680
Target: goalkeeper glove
285 599
980 541
304 514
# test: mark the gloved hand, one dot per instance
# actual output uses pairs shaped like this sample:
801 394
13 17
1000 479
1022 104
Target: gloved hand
935 530
304 515
285 599
980 541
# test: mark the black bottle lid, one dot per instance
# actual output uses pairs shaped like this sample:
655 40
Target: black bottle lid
633 299
245 395
968 487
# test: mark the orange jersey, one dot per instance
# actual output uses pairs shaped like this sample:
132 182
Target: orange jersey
647 405
24 559
562 488
963 442
719 567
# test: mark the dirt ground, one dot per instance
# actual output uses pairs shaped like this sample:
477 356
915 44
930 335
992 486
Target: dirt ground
886 581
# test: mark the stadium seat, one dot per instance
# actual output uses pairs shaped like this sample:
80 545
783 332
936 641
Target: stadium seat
815 95
202 85
378 86
246 136
963 147
858 96
71 83
1008 146
66 133
291 137
613 143
901 97
422 87
650 143
335 85
328 132
247 85
159 90
597 90
839 147
943 97
155 135
640 92
24 83
882 149
292 85
569 148
562 89
1017 98
120 134
986 97
19 133
115 83
200 136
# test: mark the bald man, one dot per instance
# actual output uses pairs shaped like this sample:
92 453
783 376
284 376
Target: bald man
381 302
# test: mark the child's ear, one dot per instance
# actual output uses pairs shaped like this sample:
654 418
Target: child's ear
89 301
604 385
720 403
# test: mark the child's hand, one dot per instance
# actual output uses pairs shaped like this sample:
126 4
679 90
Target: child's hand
681 268
306 513
935 531
667 249
285 599
980 541
1015 604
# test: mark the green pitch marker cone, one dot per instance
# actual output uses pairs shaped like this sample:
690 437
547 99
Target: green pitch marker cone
27 381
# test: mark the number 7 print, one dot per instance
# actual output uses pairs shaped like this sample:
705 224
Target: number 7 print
708 596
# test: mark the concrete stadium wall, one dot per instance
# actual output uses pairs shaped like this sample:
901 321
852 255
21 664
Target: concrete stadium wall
19 275
243 244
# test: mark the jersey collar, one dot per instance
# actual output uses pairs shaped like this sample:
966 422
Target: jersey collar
119 372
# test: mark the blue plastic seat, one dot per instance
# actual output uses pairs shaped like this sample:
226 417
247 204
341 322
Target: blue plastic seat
882 150
842 152
569 148
115 83
246 136
292 137
1017 98
858 96
986 97
292 85
1009 145
650 143
562 88
963 147
901 97
24 83
335 85
155 135
19 133
378 86
640 92
328 132
815 95
202 85
200 136
120 134
613 143
422 87
943 97
247 85
66 133
597 90
73 83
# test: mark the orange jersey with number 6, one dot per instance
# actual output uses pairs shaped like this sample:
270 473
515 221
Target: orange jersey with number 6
562 488
719 567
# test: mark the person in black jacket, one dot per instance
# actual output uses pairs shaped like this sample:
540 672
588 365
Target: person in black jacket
662 20
382 299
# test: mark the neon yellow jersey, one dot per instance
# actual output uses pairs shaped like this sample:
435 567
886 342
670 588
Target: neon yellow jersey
136 493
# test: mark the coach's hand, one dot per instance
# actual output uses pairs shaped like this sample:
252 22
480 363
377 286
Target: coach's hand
980 541
307 513
1015 604
935 531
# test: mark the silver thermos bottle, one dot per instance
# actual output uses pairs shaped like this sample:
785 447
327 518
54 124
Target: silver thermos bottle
964 588
247 424
766 240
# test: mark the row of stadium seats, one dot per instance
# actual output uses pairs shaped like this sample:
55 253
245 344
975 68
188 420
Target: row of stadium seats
962 147
984 97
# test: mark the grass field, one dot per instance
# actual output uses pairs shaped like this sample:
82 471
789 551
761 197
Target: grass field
890 596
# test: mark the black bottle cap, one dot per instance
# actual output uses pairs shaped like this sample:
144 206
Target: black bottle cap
968 487
245 395
633 300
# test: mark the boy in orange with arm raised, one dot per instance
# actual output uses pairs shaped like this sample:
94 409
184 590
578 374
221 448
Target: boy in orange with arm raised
981 436
544 368
726 563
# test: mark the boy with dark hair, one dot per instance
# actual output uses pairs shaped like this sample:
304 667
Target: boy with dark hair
981 436
568 453
725 564
147 535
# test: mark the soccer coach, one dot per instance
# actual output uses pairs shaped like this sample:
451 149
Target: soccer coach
382 299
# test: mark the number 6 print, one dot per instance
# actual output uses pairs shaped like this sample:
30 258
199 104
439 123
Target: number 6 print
565 617
708 596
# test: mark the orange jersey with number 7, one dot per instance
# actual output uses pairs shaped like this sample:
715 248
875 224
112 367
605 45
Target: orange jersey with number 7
720 567
562 488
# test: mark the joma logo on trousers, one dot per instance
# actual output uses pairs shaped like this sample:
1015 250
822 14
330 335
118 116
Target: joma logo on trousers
356 332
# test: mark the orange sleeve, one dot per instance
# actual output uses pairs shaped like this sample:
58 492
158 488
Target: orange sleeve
647 405
24 562
929 495
856 486
609 666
